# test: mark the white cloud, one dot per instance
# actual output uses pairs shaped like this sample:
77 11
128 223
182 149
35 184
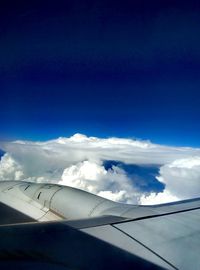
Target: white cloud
78 161
68 151
93 177
10 169
157 198
182 177
182 180
121 196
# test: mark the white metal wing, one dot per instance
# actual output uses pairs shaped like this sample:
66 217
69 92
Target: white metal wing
66 228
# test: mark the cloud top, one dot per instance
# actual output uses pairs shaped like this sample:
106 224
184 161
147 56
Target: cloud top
78 161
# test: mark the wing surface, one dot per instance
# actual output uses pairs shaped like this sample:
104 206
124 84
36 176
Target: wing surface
55 245
171 235
77 230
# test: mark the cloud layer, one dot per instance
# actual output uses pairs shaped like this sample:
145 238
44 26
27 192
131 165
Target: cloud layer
78 161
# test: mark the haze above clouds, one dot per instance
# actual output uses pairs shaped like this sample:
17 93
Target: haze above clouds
79 161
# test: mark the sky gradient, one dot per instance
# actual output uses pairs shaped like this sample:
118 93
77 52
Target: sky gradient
101 68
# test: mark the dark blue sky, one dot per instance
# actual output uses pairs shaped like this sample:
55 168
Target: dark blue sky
102 68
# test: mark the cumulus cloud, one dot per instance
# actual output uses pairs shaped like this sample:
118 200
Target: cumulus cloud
181 179
78 161
157 198
112 183
10 169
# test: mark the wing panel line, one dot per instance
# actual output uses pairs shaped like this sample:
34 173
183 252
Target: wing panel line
145 247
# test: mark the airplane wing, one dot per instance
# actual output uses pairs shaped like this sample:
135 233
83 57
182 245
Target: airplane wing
54 227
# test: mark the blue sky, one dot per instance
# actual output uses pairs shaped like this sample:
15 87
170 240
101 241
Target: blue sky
102 68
